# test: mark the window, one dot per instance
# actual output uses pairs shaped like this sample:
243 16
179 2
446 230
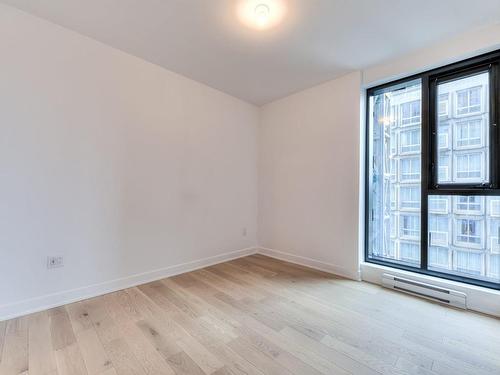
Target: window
494 206
443 105
398 188
391 252
468 262
394 143
443 137
438 230
470 167
394 225
464 138
409 197
469 101
439 257
468 134
467 205
409 226
409 252
410 169
494 236
438 204
468 232
410 113
444 168
410 141
394 199
433 137
393 170
494 268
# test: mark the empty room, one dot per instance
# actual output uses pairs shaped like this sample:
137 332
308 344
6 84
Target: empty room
249 187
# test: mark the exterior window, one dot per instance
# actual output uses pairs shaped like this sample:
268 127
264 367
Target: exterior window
410 169
438 204
469 166
394 130
443 105
443 137
393 170
494 236
465 130
494 206
438 230
393 246
394 201
394 143
468 134
469 231
439 257
444 168
410 226
469 101
472 204
409 252
410 113
409 197
394 225
468 262
410 141
458 176
494 270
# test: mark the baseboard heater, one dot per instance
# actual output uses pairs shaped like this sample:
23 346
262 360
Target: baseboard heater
435 293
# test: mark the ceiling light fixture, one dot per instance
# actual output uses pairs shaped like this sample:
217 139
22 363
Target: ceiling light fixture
261 14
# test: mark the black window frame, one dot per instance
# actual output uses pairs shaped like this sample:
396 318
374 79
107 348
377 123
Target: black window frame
429 152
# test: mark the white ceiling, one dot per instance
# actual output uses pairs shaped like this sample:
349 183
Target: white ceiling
318 40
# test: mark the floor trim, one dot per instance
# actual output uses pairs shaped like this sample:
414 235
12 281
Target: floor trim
311 263
32 305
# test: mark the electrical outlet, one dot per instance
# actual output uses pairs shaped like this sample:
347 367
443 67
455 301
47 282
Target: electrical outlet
244 232
55 262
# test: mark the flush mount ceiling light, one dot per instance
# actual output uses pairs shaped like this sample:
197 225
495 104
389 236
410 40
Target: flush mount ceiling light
261 14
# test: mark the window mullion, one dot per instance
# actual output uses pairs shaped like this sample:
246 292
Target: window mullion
426 168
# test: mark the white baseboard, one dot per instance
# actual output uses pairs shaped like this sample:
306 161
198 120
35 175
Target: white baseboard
311 263
32 305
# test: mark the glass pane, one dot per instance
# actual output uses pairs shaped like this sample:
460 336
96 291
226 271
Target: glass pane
394 181
464 236
463 136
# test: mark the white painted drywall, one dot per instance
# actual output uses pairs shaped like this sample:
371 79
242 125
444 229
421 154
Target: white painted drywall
114 163
469 44
309 175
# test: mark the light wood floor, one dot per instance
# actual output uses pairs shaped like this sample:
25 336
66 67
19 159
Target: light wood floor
254 315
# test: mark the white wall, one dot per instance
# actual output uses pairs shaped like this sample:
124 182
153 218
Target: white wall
118 165
466 45
309 176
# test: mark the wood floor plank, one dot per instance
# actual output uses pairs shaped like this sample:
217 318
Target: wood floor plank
41 354
184 365
79 316
257 358
252 316
61 328
15 350
143 349
93 353
122 358
200 355
70 361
